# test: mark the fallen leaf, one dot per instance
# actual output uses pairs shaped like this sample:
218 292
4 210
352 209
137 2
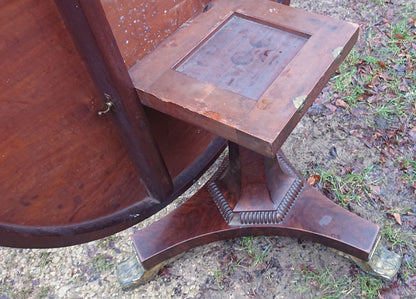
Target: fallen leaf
403 88
399 36
382 65
356 134
346 170
385 77
331 107
375 189
308 267
314 179
164 274
163 271
397 218
374 98
341 103
391 291
262 266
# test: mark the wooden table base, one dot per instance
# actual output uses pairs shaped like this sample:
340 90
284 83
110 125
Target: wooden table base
252 195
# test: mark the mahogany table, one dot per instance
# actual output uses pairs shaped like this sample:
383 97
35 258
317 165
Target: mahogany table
173 84
248 71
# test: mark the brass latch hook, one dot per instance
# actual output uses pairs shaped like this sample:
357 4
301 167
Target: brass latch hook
109 105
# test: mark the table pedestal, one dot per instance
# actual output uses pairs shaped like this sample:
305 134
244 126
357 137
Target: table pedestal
251 195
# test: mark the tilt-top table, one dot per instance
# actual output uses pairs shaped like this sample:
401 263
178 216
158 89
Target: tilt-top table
248 71
112 109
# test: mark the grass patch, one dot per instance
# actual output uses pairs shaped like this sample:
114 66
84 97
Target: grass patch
380 2
320 283
323 284
408 168
6 290
380 72
403 243
370 286
250 255
25 293
255 253
398 239
353 185
105 243
102 263
345 84
44 292
221 280
44 258
409 269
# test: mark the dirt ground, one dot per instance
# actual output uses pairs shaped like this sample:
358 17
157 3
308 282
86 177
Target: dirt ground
360 152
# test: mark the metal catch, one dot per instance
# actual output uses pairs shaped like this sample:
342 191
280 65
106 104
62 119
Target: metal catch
109 105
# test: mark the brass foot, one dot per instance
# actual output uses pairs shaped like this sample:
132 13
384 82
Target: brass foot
382 262
130 273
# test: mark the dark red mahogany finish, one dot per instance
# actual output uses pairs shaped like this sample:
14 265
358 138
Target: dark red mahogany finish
253 94
208 216
247 71
68 175
243 70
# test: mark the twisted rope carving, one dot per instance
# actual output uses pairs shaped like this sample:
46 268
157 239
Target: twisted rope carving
255 217
274 217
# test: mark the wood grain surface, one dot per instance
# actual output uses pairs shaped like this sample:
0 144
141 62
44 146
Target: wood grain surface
243 56
257 115
200 221
65 174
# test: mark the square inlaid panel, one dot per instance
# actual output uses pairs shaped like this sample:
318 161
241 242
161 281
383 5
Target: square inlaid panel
243 56
245 70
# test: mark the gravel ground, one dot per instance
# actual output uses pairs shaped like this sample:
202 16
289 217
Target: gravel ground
272 267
